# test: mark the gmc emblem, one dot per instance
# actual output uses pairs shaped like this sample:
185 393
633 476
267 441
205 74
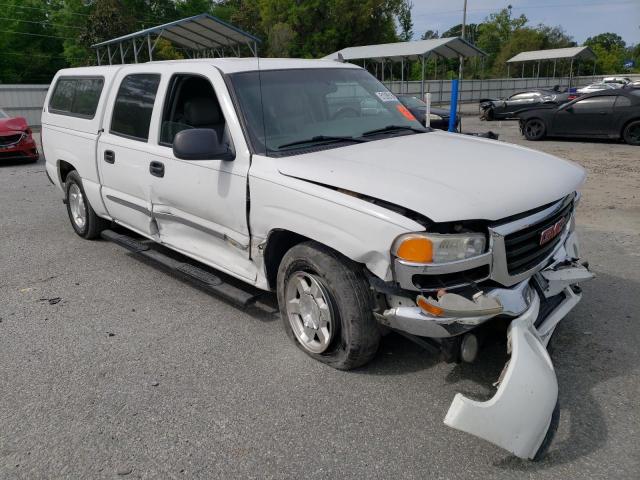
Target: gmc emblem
552 232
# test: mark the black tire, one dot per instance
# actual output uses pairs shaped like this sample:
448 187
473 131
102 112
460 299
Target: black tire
631 133
356 334
534 129
93 224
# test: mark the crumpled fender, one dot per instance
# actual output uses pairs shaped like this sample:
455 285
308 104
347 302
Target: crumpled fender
518 416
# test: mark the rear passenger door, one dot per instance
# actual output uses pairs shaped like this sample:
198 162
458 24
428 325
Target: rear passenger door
123 151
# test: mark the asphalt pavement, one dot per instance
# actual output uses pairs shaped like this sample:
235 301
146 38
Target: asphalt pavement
112 368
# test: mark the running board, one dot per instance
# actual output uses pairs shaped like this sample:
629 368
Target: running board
199 276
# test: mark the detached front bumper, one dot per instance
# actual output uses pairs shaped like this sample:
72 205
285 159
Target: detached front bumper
517 418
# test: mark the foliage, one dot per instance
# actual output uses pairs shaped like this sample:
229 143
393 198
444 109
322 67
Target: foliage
38 37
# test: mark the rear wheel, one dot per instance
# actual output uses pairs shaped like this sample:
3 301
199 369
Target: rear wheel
631 133
326 306
534 129
83 219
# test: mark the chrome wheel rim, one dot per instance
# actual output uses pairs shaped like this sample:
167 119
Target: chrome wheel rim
309 312
77 206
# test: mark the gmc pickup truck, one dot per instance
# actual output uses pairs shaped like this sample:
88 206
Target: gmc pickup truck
361 223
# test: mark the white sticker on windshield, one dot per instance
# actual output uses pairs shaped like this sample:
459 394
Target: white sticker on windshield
386 96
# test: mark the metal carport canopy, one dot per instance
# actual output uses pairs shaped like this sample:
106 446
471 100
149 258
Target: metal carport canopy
554 54
452 47
197 33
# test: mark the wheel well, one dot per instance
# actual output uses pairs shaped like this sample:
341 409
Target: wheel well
279 243
64 168
626 125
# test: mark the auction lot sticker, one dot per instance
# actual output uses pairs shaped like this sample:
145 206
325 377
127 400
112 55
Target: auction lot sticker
386 96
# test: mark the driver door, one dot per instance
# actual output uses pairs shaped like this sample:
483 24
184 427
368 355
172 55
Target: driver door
590 116
200 206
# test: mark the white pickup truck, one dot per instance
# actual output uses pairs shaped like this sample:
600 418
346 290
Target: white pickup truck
308 178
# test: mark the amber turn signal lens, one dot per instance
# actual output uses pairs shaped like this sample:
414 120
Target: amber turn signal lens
416 249
429 308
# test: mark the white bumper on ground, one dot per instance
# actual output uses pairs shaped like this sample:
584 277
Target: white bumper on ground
517 417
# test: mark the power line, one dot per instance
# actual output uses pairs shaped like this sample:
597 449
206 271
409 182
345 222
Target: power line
41 22
48 10
548 5
36 35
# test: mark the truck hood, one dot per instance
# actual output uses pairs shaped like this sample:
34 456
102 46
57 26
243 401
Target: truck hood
444 176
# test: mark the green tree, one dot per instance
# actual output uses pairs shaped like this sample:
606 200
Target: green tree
404 21
610 50
429 35
30 45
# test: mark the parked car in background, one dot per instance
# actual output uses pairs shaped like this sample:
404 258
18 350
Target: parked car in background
597 87
508 108
358 224
606 114
16 139
617 81
439 116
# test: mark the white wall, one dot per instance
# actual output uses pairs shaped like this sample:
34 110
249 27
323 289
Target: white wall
23 101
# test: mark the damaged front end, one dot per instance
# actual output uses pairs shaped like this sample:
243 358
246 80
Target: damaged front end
533 299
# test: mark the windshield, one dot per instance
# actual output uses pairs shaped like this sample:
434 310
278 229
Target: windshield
308 107
2 114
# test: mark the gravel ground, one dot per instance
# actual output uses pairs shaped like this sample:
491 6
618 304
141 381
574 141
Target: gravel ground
111 368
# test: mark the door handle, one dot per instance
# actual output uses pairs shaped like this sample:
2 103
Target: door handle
109 156
156 169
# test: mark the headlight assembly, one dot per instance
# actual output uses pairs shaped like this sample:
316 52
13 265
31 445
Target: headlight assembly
438 248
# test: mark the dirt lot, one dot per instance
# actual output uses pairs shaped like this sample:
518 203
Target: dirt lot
111 368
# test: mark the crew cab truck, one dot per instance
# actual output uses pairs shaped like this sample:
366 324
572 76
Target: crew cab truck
360 223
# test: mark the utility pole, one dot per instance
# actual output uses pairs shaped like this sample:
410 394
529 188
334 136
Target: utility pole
461 68
464 26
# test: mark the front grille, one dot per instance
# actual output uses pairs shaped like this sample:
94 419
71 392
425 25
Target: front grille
523 247
10 139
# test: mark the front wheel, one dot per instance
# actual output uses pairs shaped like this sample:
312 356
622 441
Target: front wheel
534 129
326 306
83 219
631 133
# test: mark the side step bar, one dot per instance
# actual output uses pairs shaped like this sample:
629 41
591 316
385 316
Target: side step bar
201 277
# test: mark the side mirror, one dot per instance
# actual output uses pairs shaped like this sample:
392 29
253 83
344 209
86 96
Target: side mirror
200 144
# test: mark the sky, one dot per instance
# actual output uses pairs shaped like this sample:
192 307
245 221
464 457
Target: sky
579 18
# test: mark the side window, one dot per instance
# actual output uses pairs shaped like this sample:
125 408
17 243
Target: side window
77 96
594 103
191 102
134 106
522 96
622 102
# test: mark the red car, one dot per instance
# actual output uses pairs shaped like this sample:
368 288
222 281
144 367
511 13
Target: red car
16 139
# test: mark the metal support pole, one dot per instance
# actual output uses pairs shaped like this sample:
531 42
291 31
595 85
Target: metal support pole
570 73
422 80
98 55
109 53
554 67
382 68
149 47
453 109
121 53
401 74
135 50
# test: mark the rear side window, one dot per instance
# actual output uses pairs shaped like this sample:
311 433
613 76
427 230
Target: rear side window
134 105
76 96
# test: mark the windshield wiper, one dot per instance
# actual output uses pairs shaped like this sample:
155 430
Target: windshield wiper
391 128
322 139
